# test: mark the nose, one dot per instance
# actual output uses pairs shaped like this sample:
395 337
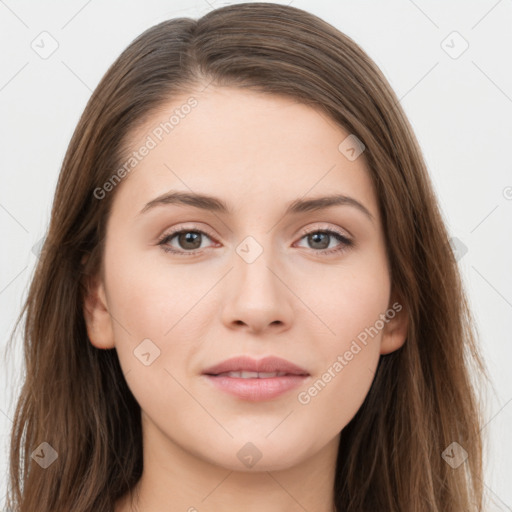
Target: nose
258 298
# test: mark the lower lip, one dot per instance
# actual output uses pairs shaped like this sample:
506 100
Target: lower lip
257 389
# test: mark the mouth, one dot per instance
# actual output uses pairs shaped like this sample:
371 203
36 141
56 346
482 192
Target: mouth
251 375
256 380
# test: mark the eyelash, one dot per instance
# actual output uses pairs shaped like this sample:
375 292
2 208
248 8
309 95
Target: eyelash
346 242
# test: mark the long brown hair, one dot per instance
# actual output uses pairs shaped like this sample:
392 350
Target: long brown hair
424 396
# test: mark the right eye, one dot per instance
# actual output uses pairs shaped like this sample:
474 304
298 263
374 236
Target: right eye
190 241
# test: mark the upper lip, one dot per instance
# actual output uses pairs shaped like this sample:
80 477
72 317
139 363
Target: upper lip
266 365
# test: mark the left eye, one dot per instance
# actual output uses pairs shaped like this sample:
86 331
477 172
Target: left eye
191 240
320 239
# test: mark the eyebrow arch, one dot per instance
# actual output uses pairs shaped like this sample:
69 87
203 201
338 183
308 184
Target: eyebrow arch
214 204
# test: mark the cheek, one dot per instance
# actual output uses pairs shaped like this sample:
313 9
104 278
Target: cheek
357 303
157 311
350 298
351 304
148 296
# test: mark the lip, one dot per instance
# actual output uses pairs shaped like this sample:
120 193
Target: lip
266 365
256 389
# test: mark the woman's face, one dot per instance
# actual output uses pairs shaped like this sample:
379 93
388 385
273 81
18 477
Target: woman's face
264 270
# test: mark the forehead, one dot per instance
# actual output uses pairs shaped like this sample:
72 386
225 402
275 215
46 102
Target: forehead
241 144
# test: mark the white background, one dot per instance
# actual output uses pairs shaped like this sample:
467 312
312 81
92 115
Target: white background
460 109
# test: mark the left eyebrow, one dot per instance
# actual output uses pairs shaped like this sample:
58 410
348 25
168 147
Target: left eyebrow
214 204
322 203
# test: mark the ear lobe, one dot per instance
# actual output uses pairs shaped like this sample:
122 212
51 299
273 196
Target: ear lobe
96 315
394 333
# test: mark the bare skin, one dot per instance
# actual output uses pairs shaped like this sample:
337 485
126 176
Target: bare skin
257 153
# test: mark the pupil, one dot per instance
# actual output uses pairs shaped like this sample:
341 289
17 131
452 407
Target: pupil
314 238
190 238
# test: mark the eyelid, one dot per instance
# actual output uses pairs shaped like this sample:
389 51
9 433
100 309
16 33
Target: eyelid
345 238
304 231
347 242
343 232
180 228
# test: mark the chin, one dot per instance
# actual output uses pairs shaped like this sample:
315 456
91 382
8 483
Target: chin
260 454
